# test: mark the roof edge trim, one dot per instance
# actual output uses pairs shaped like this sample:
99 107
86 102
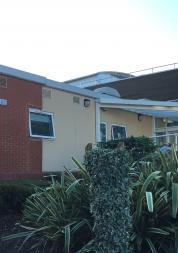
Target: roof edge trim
22 74
46 82
72 89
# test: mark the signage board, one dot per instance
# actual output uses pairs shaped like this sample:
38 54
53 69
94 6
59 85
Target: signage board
3 101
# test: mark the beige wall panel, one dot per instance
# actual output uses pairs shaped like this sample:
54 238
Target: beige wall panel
74 128
128 119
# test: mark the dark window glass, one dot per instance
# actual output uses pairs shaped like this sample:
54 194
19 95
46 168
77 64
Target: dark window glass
41 124
103 132
172 124
118 132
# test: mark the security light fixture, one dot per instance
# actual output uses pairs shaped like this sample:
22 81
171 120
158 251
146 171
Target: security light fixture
139 116
86 102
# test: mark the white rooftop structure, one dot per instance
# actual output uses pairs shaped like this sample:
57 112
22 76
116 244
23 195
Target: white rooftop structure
97 79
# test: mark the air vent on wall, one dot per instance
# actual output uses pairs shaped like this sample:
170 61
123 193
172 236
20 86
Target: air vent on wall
76 100
3 82
46 93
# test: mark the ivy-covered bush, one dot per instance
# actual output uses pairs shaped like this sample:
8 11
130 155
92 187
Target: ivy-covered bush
110 199
138 147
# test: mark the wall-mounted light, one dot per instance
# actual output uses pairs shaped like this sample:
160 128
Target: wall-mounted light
86 102
139 116
167 120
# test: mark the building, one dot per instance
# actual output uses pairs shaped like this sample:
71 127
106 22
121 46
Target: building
155 84
43 123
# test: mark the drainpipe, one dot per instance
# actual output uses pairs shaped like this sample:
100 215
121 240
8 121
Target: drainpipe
98 120
153 130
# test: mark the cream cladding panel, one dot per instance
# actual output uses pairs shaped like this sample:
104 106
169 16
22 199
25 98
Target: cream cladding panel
74 127
134 126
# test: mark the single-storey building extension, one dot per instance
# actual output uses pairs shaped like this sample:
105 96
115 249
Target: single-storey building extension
43 123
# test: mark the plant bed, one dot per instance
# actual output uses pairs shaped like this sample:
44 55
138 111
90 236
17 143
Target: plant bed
12 199
7 226
56 218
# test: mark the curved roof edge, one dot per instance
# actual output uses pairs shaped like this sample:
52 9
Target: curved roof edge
109 91
113 73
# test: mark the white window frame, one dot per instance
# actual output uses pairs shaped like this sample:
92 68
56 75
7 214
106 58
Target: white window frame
106 130
118 126
52 120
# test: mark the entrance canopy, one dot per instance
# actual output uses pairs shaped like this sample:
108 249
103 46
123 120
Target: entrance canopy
156 113
158 109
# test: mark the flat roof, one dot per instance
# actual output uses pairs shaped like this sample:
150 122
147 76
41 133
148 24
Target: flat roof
161 86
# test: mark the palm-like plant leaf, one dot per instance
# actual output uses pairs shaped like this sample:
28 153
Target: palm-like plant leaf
149 200
155 202
153 176
151 245
58 217
174 199
67 239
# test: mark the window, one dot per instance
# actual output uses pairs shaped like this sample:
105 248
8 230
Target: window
172 123
41 124
166 131
118 132
103 134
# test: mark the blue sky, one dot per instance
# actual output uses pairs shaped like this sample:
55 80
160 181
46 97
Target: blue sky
64 39
161 13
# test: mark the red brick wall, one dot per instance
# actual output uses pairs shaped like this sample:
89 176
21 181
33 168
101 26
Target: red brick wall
20 155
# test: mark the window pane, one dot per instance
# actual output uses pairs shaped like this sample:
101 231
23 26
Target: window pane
172 124
41 124
103 132
161 140
40 117
118 132
172 139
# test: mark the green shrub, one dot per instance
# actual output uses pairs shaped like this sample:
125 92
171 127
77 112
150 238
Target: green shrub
12 197
110 199
13 194
138 147
57 218
154 204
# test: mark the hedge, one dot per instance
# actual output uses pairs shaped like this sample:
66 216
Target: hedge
110 203
14 193
138 147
